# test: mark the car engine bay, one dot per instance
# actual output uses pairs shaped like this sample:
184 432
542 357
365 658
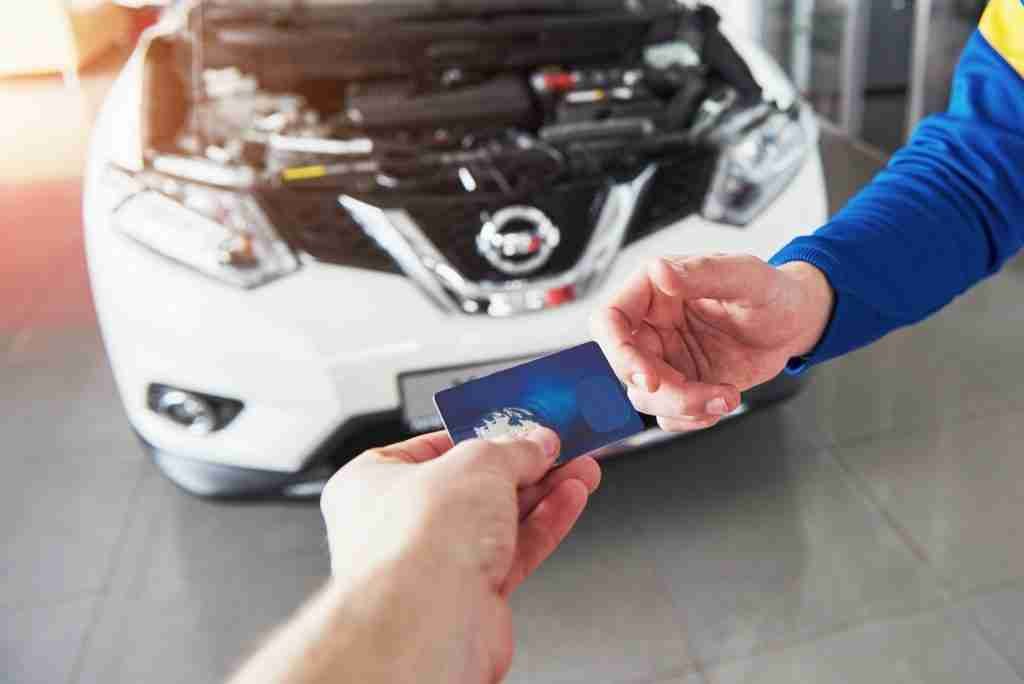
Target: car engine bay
266 118
485 98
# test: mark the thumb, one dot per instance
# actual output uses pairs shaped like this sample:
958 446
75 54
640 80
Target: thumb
522 461
735 277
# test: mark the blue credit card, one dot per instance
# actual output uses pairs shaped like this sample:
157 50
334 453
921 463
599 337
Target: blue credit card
573 392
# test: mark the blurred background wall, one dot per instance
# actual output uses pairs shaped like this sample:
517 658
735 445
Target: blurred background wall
872 67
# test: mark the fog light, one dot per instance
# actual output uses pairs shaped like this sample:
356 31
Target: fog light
194 411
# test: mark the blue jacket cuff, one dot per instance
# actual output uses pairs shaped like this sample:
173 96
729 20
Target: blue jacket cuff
852 324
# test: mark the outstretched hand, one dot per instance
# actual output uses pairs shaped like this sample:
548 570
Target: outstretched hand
458 529
688 334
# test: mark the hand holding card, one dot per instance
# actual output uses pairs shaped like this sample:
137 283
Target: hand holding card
573 392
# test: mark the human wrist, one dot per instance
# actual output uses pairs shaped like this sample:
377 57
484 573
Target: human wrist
814 310
374 627
336 631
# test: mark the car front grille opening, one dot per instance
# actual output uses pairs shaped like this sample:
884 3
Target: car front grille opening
312 221
677 190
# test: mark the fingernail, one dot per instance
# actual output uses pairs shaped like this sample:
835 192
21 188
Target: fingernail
547 438
639 380
586 486
717 407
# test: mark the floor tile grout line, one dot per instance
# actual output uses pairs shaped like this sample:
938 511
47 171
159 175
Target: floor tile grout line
963 601
705 668
949 594
918 553
667 676
864 488
916 429
816 636
868 150
104 595
1016 583
840 630
696 663
987 638
916 549
684 634
21 606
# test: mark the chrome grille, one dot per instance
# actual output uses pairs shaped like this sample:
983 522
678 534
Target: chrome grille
453 225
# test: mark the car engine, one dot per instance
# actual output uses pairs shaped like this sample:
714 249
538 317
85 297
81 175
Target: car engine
451 110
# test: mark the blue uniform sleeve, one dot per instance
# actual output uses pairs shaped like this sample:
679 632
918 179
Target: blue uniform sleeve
947 211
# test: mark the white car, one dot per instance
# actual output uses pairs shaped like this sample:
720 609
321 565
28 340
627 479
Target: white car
303 219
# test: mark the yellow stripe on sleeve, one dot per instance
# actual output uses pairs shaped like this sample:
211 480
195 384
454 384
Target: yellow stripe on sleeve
298 173
1003 28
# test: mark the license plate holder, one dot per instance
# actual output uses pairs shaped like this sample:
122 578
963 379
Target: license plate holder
417 389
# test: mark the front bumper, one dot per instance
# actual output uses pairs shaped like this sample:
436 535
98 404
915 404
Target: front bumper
209 479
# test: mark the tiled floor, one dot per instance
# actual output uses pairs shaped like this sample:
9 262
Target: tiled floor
865 531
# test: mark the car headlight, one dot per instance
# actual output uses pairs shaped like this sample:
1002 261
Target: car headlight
754 169
220 233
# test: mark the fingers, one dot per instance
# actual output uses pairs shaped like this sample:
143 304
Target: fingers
634 355
521 461
737 277
632 364
584 469
614 325
544 529
686 400
634 299
687 406
656 293
418 449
